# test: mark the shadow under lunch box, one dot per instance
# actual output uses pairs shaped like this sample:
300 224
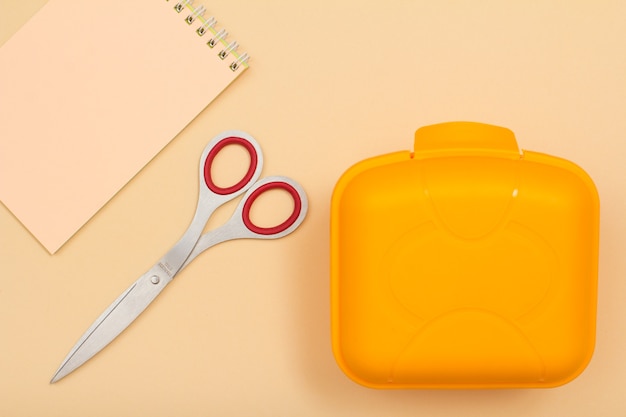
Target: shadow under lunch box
465 264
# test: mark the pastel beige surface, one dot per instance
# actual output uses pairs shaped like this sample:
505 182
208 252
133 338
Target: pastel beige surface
238 338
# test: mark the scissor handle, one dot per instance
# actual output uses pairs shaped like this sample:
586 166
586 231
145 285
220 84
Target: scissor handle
213 148
240 226
275 183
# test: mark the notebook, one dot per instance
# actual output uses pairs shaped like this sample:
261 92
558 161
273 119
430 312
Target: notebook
90 92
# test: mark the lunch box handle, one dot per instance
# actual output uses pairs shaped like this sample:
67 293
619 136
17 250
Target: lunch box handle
464 136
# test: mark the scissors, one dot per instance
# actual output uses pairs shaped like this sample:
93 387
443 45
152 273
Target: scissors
132 302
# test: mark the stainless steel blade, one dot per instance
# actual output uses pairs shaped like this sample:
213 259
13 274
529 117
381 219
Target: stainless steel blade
117 317
214 237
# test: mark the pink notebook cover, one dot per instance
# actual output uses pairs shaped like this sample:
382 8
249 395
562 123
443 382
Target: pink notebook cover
89 93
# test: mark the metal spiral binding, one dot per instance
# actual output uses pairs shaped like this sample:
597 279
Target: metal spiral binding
231 47
241 60
195 14
181 5
208 25
218 37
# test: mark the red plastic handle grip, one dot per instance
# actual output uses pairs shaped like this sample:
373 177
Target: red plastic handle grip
231 140
297 208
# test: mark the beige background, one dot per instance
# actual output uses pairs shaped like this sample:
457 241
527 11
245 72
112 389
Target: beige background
240 338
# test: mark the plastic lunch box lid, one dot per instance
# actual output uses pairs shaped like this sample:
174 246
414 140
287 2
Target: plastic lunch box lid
465 264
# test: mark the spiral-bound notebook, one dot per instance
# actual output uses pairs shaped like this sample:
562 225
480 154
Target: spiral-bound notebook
90 92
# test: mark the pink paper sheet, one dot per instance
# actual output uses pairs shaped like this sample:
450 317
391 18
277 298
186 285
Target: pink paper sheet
89 93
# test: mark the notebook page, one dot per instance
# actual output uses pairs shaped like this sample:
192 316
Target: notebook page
89 93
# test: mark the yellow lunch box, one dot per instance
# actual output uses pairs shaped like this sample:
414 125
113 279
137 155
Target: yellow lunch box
465 264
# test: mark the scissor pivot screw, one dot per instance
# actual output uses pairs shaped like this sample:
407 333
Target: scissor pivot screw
155 279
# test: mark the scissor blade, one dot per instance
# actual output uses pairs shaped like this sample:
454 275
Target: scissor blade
117 317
